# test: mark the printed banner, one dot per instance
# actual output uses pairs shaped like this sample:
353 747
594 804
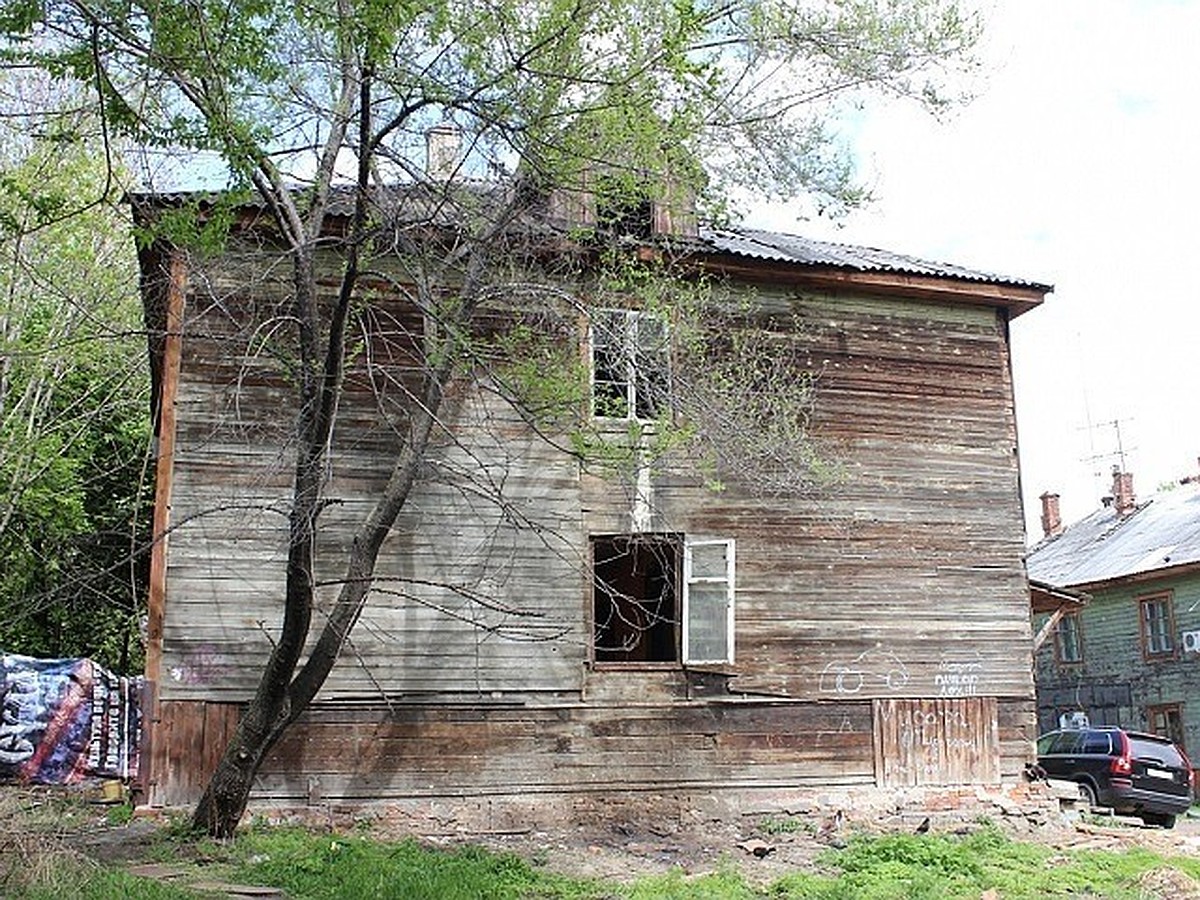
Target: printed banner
66 719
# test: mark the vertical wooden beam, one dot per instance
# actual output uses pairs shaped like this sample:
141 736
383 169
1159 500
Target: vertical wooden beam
164 468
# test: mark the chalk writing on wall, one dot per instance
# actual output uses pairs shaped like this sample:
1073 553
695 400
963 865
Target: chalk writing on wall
958 678
872 669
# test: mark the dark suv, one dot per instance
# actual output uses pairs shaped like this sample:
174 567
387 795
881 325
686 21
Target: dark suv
1138 774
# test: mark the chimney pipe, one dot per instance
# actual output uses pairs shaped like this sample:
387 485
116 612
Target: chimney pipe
1051 515
443 144
1123 497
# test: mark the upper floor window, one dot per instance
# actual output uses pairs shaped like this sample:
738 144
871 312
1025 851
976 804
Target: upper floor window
1070 640
630 364
1158 626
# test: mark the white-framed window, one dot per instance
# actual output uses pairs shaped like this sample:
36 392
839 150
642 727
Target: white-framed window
630 364
662 599
708 568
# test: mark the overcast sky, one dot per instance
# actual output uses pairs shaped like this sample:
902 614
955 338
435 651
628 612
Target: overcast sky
1077 166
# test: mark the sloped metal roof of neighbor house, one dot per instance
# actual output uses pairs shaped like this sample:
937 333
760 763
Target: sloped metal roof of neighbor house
1162 533
791 248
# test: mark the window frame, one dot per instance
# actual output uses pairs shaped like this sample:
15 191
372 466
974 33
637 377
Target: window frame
728 579
685 577
639 397
1167 631
1167 711
1076 626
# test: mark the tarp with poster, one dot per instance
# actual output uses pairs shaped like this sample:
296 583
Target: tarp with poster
64 720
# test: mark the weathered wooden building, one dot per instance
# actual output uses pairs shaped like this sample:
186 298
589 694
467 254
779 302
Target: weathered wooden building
1130 656
564 639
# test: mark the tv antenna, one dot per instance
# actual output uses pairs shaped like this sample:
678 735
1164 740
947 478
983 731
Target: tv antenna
1118 454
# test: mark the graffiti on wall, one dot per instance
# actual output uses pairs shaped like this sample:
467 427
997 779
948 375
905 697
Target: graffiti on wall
62 720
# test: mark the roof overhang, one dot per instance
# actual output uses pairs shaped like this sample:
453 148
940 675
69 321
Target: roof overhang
1047 598
1017 299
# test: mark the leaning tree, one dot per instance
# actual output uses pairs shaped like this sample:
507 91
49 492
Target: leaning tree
310 107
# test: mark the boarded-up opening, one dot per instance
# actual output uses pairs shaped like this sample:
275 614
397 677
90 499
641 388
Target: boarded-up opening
187 742
936 742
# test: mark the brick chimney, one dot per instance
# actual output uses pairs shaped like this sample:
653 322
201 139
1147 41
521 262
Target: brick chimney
1052 524
1124 499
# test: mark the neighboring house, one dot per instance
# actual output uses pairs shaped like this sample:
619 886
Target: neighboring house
689 641
1130 656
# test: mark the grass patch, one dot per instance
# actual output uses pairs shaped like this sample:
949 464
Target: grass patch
327 866
907 867
40 860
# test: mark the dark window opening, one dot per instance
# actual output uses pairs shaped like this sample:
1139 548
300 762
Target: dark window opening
635 591
624 212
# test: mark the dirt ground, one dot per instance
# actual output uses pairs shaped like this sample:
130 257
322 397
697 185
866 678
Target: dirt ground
761 846
763 853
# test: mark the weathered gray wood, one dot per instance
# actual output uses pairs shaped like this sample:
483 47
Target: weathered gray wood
902 583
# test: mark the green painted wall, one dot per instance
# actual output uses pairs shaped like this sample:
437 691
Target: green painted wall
1115 683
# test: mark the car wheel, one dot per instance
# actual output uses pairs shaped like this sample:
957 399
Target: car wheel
1087 794
1164 820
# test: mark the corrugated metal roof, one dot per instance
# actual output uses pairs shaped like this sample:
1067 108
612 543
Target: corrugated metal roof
433 203
1163 532
791 248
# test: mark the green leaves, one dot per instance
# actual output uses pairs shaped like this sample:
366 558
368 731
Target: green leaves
74 406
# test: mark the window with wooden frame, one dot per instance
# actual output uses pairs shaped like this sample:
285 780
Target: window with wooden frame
1068 644
1157 619
661 599
630 364
1166 720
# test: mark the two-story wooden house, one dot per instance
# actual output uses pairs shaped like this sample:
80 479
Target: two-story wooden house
545 637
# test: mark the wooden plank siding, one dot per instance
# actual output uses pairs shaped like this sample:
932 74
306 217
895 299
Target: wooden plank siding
922 742
470 671
369 752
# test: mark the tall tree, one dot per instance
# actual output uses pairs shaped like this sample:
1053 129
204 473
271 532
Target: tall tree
607 101
74 408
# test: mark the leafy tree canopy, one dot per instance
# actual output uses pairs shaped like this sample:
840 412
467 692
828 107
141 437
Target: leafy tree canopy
74 410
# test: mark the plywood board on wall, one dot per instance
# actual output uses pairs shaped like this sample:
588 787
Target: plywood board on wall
936 742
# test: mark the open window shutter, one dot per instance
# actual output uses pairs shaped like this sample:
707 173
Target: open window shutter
708 568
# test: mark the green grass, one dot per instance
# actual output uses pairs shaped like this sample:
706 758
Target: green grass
307 864
312 866
906 867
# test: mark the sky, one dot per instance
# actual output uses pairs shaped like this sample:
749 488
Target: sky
1077 164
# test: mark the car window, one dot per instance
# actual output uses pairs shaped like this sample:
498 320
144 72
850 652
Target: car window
1067 742
1165 753
1045 742
1098 742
